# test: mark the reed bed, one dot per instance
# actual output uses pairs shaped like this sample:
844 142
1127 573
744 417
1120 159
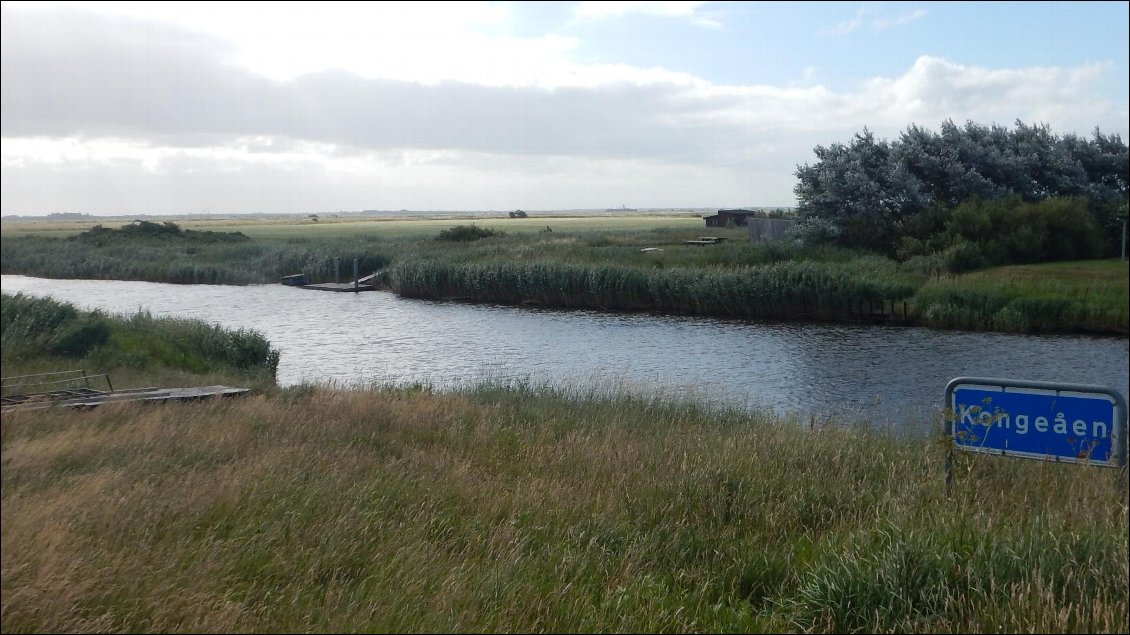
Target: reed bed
607 270
255 262
519 508
788 289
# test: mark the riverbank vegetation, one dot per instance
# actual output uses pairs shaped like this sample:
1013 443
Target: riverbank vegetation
1089 296
511 507
43 335
608 270
165 253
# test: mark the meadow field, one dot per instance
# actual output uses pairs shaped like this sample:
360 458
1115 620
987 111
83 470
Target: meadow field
328 226
614 262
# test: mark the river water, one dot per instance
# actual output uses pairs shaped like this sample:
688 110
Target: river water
879 374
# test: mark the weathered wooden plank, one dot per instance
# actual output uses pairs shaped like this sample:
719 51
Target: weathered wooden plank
32 402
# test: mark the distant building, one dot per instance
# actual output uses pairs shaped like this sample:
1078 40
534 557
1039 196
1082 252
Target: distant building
731 217
767 229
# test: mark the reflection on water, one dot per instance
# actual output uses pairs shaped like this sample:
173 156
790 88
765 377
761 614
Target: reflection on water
841 371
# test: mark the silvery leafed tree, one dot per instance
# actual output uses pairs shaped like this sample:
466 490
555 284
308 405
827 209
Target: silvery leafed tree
901 196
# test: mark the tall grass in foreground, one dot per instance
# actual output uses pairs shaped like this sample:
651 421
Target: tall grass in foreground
519 509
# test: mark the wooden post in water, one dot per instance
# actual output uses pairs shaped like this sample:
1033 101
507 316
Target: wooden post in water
355 275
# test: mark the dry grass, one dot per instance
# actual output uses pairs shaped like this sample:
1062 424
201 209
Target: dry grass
522 509
386 227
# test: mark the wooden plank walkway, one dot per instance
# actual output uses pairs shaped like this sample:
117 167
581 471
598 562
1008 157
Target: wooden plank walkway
705 240
339 286
87 398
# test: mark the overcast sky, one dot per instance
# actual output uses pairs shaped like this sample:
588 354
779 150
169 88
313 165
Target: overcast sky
171 108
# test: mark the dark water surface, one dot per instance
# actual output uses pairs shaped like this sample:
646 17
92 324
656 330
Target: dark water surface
874 373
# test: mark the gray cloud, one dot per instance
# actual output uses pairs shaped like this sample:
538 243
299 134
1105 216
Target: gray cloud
222 135
68 73
100 76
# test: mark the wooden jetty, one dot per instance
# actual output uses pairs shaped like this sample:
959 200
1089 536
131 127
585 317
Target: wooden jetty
368 283
340 286
88 398
705 240
72 389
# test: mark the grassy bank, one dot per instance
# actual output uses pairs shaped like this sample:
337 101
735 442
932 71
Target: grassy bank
42 335
524 510
1085 296
184 261
598 264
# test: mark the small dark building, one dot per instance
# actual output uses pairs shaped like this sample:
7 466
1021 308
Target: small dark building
731 218
767 229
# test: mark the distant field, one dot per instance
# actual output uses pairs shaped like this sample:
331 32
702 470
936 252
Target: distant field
384 227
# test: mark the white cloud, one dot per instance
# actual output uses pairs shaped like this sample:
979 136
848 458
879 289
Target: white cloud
883 23
426 42
113 114
611 9
879 23
843 28
935 89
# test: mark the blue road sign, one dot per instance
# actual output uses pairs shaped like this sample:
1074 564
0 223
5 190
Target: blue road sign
1071 423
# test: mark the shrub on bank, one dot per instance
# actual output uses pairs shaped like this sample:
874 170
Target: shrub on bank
466 233
35 328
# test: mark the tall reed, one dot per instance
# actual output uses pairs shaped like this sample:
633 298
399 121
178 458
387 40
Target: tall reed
238 263
783 289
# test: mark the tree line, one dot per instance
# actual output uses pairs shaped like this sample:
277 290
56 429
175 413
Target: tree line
957 192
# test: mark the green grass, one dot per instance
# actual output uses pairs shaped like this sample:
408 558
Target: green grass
333 228
600 263
1089 296
526 509
43 335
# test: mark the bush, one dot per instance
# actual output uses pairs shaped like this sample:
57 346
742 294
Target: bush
466 233
34 328
814 230
964 256
1010 231
90 332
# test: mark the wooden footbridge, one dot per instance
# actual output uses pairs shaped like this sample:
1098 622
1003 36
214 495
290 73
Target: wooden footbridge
368 283
358 285
74 389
